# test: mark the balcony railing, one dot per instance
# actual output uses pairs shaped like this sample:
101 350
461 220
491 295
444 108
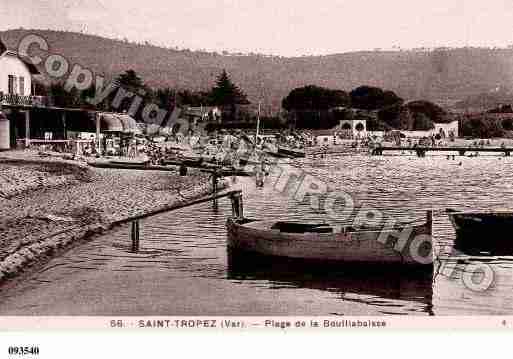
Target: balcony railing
33 101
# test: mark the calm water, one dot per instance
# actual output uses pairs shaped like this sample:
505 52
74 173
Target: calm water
183 267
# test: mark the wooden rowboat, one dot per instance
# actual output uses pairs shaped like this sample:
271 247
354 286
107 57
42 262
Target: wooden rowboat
408 244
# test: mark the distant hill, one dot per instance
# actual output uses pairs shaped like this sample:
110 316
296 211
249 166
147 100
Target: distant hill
485 101
443 75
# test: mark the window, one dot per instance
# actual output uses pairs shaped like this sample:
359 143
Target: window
11 88
22 86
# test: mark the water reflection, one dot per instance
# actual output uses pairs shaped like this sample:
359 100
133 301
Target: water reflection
384 287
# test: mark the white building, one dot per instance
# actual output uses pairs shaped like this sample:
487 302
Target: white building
202 114
15 73
353 122
446 129
15 88
355 128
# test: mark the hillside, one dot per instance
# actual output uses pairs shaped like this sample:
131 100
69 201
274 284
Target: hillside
441 75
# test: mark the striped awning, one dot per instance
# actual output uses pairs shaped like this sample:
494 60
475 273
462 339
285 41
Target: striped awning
115 122
111 122
129 124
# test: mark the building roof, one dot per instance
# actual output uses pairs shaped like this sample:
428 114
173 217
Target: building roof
31 67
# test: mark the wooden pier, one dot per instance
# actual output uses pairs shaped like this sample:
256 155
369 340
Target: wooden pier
421 151
237 211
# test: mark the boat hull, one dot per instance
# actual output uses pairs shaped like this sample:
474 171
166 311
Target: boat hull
287 152
382 247
121 166
482 231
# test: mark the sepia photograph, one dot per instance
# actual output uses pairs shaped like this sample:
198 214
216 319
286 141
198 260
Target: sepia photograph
255 165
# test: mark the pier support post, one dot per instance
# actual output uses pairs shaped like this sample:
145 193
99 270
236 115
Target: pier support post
421 152
259 178
27 129
429 217
507 153
237 205
462 152
214 181
183 170
134 235
98 127
65 130
214 186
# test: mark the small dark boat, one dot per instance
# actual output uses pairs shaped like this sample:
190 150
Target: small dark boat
322 242
228 172
129 162
483 230
119 163
291 152
192 161
128 165
275 154
183 160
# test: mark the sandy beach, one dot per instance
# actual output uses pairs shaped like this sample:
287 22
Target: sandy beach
50 203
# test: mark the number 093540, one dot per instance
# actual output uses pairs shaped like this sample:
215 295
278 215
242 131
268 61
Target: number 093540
29 350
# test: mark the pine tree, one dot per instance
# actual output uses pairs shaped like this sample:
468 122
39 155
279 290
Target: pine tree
131 81
226 93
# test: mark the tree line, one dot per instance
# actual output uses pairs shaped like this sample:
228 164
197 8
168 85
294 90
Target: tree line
224 94
309 107
317 107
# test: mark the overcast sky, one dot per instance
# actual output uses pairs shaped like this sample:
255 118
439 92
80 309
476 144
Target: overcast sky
280 27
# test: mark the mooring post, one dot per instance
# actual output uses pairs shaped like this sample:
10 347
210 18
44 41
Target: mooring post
259 176
214 185
97 121
27 129
134 234
421 152
241 206
214 181
63 118
237 205
429 216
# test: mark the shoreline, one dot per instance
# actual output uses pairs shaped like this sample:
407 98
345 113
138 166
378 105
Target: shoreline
345 146
49 210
